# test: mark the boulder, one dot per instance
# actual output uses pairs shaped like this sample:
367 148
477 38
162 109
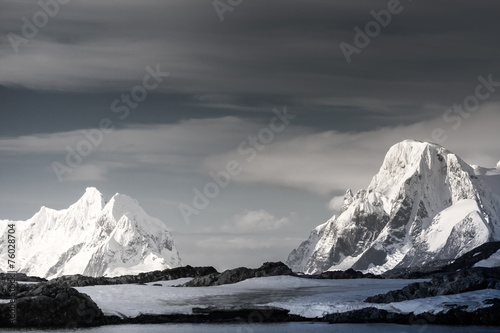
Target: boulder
44 305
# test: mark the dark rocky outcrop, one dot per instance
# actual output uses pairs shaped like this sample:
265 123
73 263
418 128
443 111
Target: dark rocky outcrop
43 305
439 267
445 284
338 275
20 277
471 258
240 274
164 275
483 316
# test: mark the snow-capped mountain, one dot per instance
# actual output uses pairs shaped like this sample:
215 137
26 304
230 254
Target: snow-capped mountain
425 204
93 238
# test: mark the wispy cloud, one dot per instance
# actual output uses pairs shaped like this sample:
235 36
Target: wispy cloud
326 163
90 172
336 203
331 162
180 146
259 221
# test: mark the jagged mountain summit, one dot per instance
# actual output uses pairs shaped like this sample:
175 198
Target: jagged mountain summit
93 238
425 204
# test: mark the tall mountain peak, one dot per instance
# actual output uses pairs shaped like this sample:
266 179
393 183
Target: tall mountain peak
424 204
94 238
121 204
92 201
91 195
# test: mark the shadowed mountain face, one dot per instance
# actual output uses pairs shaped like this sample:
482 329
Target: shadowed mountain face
425 204
94 238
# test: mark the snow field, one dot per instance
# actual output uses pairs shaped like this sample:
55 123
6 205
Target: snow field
305 297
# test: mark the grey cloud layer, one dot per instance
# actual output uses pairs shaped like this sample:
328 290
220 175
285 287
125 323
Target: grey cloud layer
326 162
331 162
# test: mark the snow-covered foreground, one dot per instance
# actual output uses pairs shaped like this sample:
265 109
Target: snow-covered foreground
308 298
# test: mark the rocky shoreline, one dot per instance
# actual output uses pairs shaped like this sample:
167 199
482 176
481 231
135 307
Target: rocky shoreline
455 316
56 303
265 315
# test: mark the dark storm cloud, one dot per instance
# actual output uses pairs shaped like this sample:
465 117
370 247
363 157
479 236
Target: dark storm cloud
264 53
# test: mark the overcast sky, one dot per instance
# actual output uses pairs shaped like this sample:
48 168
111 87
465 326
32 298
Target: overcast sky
155 95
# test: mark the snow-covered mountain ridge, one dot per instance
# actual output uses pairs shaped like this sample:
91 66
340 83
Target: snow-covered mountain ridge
424 204
93 238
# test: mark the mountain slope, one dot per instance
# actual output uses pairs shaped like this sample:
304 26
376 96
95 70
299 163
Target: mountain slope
94 238
424 204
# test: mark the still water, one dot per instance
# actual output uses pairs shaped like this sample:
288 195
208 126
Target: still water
273 328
